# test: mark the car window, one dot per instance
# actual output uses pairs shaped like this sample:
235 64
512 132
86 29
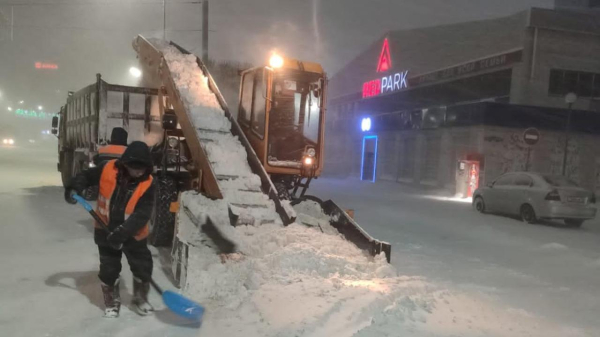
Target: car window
560 181
504 180
523 180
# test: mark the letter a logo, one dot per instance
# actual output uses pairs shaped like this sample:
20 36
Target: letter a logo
385 61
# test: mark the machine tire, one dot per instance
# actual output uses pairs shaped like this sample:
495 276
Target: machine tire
528 214
576 223
479 205
66 167
162 222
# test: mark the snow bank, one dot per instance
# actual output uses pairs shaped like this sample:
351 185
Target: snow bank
298 281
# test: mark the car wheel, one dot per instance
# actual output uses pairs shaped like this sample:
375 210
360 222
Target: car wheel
528 214
573 222
479 205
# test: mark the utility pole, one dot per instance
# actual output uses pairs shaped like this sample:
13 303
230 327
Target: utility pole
12 22
569 99
165 20
205 31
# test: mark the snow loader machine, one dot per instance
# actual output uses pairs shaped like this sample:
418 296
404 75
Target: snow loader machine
280 124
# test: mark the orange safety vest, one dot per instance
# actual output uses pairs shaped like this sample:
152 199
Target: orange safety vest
108 183
115 151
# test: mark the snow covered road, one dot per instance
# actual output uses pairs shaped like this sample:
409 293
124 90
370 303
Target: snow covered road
461 273
543 271
49 261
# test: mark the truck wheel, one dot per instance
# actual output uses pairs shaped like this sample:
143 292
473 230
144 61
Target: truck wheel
66 167
162 223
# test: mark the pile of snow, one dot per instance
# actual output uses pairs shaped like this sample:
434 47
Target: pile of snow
296 280
310 213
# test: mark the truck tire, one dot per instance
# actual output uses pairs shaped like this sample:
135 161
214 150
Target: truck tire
66 167
162 223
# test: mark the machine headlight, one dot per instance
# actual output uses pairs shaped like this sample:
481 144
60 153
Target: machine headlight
308 161
276 61
311 152
173 142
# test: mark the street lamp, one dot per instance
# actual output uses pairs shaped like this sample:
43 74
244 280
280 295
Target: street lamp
135 72
570 98
40 107
9 109
21 102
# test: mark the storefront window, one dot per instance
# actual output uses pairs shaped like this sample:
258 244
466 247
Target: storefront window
584 84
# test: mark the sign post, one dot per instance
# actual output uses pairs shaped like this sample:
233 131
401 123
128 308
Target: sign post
531 137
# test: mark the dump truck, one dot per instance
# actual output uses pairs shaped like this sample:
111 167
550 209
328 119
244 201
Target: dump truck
279 127
85 123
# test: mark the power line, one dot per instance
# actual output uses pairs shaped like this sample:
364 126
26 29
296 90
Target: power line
106 29
95 3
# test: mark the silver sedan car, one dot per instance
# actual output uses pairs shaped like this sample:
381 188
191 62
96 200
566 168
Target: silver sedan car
534 196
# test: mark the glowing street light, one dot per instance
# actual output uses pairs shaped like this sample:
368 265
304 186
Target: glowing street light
21 102
135 72
40 107
9 109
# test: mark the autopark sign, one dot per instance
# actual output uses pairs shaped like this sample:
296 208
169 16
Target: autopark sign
388 82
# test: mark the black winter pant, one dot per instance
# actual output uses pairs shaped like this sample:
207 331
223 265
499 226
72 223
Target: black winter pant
138 255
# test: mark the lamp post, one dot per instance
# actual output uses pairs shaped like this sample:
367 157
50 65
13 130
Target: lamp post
570 98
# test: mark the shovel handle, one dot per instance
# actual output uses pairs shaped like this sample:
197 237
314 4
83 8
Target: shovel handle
80 200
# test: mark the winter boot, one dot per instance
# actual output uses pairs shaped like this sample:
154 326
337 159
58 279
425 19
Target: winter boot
112 300
140 297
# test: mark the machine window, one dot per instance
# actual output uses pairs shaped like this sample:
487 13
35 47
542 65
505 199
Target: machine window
295 118
246 101
258 108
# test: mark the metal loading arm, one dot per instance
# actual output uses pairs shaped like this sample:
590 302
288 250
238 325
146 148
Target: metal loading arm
154 62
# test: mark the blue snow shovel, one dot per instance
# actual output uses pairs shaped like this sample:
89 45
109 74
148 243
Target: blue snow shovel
177 303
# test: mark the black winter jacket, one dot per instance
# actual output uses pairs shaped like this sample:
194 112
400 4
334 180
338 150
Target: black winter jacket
118 202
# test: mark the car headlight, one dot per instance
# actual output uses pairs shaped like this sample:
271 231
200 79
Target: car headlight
4 141
311 152
173 142
11 141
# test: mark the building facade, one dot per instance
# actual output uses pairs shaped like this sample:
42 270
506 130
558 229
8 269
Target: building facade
416 103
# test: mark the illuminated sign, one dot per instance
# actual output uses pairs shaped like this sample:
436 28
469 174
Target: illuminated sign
34 114
387 83
385 61
42 65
